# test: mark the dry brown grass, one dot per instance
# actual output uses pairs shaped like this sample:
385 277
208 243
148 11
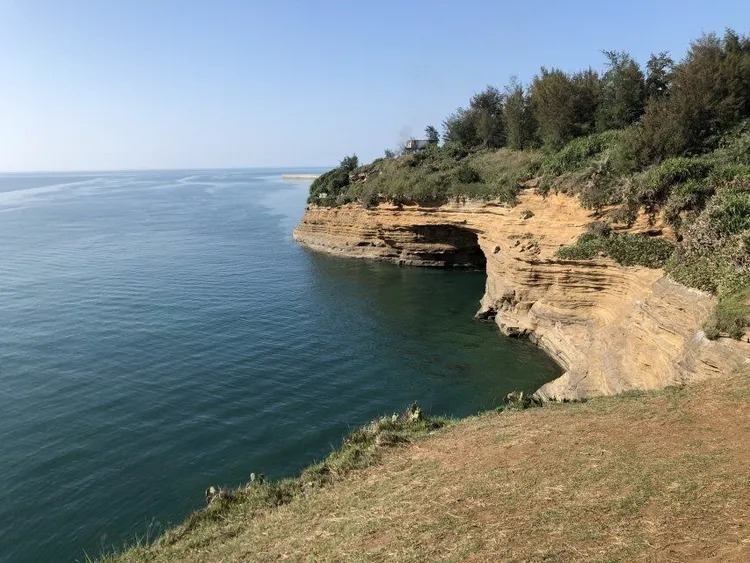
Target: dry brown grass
642 477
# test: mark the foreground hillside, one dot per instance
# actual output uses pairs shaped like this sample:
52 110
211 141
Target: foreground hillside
642 476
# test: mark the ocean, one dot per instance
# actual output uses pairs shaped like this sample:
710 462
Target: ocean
160 332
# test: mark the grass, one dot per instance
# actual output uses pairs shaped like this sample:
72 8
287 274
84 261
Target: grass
624 248
639 477
579 153
731 315
360 449
432 177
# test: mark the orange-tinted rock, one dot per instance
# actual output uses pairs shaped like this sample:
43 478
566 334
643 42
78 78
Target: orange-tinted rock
612 328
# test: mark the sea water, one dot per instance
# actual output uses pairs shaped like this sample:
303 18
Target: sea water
160 332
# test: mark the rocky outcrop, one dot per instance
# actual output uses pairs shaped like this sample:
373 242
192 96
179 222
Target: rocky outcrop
611 328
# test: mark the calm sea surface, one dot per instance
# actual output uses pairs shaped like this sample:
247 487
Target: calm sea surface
160 332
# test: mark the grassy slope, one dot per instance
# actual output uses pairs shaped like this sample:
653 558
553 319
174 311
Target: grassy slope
647 476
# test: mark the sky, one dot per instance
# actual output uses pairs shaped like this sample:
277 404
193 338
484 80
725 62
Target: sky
169 84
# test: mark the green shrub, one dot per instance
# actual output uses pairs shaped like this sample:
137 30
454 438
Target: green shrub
601 188
586 247
467 175
327 188
654 186
628 155
368 197
714 256
456 151
431 177
731 315
734 146
624 215
698 271
624 248
599 228
639 250
690 197
730 214
579 152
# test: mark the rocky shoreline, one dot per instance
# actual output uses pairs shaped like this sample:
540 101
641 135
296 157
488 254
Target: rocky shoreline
612 328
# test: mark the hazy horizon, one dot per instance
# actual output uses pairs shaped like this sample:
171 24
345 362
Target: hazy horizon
172 85
291 168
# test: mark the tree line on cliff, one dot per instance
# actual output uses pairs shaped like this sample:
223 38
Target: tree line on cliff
664 110
668 109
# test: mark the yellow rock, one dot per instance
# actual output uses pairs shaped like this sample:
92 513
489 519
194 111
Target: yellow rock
612 328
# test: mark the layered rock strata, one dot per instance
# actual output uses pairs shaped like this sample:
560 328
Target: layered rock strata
611 328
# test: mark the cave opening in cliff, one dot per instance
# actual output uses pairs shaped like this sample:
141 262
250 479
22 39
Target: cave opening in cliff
451 246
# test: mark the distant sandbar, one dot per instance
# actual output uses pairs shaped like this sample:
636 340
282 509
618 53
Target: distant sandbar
299 176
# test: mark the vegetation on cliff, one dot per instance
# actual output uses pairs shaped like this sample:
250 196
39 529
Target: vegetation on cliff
671 141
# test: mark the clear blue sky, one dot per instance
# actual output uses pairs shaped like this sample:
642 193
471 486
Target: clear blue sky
108 84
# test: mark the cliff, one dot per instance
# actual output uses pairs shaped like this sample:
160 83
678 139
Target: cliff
612 328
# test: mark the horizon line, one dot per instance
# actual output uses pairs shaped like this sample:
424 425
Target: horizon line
196 169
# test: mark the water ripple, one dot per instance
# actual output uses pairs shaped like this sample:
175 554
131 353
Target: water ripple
161 332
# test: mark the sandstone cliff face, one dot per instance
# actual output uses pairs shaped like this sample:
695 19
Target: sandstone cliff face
611 328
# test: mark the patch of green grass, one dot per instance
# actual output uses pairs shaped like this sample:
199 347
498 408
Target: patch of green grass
638 250
579 153
689 197
431 177
586 247
655 184
731 315
624 248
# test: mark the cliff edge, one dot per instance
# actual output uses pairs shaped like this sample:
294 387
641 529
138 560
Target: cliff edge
612 328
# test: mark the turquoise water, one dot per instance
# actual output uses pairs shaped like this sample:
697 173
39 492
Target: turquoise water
161 332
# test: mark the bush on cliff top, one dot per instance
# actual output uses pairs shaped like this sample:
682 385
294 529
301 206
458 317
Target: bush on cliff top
438 175
624 248
731 315
579 153
327 188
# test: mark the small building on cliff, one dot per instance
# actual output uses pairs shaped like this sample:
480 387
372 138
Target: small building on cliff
416 145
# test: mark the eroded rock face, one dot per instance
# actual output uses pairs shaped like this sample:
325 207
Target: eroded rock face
422 243
611 328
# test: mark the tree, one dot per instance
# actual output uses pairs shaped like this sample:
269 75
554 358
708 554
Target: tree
586 91
519 123
553 107
459 128
388 153
623 92
349 163
327 188
431 134
659 75
479 125
487 112
709 93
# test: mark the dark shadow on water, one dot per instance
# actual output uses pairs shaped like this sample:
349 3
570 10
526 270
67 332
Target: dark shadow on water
423 320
